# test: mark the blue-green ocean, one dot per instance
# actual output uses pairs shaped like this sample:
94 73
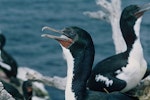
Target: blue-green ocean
21 22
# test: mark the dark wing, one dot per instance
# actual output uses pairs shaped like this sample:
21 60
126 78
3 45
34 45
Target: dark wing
111 64
106 70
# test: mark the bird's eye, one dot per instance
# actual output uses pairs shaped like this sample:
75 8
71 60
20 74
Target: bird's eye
70 33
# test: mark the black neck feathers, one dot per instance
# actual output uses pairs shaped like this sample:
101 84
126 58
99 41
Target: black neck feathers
83 53
128 32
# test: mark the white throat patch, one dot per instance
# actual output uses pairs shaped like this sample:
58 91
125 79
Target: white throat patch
69 94
137 26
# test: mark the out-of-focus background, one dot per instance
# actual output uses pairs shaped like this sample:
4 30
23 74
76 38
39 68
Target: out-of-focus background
21 22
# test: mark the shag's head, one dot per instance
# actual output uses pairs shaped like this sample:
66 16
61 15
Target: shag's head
133 12
27 89
77 41
2 41
79 52
71 36
130 21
